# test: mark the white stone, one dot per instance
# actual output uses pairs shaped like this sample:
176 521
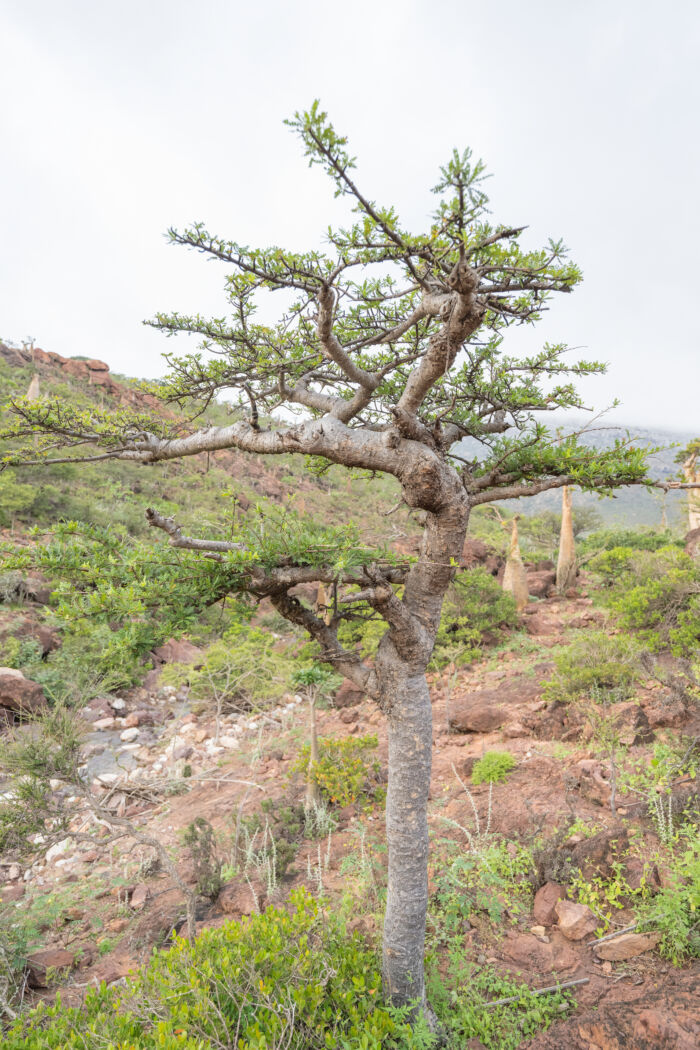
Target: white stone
55 784
229 742
108 778
189 727
129 734
103 723
117 704
59 849
15 872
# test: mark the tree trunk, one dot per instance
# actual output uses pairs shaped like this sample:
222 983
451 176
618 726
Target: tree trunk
566 562
410 758
401 664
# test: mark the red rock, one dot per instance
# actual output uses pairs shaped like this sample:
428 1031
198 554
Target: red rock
131 721
178 651
544 907
77 369
349 714
528 952
12 893
576 921
139 897
237 899
97 366
539 584
627 946
51 959
536 625
348 695
20 694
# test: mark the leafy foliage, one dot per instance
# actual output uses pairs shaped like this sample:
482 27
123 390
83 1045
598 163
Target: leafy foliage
595 661
493 767
344 772
286 978
475 607
656 594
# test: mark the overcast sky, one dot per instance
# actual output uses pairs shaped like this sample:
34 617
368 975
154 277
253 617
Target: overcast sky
120 119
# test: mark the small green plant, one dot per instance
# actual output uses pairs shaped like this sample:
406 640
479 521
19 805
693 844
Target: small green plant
675 910
468 1003
493 767
596 660
476 609
344 772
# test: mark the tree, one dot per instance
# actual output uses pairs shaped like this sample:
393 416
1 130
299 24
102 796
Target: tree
688 459
389 351
566 561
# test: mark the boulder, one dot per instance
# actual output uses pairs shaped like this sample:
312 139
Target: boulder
139 897
178 651
237 899
541 584
544 907
20 694
97 366
487 709
627 946
41 964
596 855
575 921
348 695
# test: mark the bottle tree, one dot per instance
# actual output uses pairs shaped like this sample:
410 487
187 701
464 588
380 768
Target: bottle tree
388 352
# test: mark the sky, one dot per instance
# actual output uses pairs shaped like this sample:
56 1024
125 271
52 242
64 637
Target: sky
120 120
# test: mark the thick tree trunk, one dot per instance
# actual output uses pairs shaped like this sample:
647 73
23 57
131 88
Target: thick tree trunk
566 562
410 756
401 665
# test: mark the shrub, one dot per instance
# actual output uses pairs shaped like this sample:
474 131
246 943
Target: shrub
596 661
244 670
493 767
675 909
631 539
289 979
343 772
475 606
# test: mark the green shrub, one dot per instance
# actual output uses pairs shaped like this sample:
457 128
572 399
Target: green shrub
344 772
595 662
246 669
631 539
462 1004
475 606
493 767
658 596
288 979
675 909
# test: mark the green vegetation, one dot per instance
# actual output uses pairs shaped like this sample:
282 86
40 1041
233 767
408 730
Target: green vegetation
493 767
598 661
344 772
283 978
475 609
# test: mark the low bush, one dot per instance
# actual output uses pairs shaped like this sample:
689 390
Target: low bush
344 771
493 767
656 594
246 669
675 910
475 608
283 979
596 661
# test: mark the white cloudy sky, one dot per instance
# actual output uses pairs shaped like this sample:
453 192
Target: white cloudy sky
120 119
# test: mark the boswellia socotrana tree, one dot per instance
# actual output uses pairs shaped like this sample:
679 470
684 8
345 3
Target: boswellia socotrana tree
388 353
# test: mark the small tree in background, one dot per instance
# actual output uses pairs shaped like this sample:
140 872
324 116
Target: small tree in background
566 562
388 351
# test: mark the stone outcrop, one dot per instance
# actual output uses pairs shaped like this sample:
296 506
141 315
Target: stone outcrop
19 694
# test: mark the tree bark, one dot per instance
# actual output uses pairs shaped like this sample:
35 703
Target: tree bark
410 758
401 664
566 562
